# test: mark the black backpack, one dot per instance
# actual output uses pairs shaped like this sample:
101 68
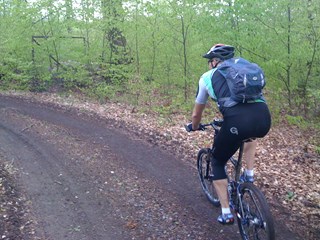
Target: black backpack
245 81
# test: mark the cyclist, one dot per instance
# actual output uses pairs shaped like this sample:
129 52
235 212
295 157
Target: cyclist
242 121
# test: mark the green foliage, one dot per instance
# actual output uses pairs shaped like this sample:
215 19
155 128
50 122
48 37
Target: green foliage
14 74
296 120
291 195
149 52
102 92
303 123
113 74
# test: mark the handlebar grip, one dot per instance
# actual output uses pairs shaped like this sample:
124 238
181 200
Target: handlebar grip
189 127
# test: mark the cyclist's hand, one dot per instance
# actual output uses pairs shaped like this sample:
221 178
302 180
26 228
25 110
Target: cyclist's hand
189 127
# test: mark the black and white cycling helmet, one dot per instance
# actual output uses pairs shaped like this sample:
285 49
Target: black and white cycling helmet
220 51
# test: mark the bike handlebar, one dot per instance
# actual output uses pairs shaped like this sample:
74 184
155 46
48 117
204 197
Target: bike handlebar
216 124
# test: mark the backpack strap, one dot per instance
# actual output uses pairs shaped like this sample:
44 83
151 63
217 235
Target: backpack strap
227 102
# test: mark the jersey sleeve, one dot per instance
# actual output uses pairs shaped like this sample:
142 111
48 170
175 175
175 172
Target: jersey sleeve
202 93
205 89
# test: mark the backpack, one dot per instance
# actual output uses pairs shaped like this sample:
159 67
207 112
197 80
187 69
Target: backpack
245 81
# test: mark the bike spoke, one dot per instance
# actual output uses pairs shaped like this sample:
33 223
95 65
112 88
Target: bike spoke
254 218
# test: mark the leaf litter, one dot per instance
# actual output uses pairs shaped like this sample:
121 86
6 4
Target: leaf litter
287 165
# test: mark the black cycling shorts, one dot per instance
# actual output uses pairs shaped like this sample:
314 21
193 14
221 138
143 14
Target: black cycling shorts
243 121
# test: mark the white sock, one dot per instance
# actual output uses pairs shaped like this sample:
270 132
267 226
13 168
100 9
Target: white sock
225 210
249 172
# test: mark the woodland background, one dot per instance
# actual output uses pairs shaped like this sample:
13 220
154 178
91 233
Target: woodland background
149 52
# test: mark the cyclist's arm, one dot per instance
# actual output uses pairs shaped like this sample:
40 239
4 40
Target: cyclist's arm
200 103
197 114
202 93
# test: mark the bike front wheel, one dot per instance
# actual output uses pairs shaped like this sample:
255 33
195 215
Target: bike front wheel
205 176
253 214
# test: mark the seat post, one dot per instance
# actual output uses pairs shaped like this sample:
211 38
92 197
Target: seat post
239 162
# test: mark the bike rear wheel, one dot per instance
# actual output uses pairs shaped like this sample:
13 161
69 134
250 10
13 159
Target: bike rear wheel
204 172
253 216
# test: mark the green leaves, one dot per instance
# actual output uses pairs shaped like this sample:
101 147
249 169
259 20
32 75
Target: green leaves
290 195
164 41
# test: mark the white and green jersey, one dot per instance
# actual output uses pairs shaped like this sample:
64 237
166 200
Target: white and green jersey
205 88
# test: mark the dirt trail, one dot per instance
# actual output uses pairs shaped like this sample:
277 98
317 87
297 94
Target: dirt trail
85 178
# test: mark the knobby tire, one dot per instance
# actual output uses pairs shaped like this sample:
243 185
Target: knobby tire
254 217
204 171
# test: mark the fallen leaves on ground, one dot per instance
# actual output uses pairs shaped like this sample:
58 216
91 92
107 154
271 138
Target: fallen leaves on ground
13 223
287 166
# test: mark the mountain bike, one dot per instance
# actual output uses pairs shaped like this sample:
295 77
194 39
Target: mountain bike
251 209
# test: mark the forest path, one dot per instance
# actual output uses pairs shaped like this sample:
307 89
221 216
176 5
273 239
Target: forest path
84 177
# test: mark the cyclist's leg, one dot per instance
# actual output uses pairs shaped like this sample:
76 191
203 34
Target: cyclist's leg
249 156
259 122
220 183
225 145
221 188
249 153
